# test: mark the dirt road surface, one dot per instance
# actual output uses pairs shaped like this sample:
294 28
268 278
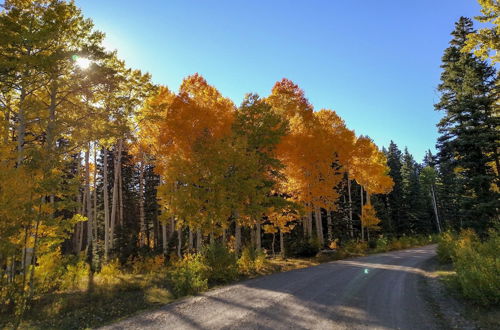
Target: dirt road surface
375 292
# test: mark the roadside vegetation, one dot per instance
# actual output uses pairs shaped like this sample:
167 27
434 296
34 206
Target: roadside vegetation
476 263
470 270
70 297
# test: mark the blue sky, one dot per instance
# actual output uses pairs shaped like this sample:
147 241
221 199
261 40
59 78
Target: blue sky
375 62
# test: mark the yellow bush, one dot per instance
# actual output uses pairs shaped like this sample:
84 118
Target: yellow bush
75 276
147 265
109 274
49 271
477 266
251 261
188 275
356 248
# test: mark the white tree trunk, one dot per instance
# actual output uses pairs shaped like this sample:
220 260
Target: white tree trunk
199 240
319 226
434 204
95 194
164 238
191 240
282 244
106 204
362 227
237 238
142 233
120 192
179 243
329 224
88 197
117 165
258 237
351 230
309 223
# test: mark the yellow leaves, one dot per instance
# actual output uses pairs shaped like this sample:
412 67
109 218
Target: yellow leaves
309 150
485 42
211 158
369 217
369 167
198 115
280 218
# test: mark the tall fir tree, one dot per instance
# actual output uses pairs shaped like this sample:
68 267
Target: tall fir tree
468 142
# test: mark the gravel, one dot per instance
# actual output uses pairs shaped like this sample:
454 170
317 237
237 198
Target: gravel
375 292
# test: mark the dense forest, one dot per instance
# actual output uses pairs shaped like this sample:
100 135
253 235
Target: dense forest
96 161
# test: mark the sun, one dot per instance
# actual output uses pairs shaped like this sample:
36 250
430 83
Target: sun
83 63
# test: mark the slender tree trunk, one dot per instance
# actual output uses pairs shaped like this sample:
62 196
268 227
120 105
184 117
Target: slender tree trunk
191 240
89 199
141 204
368 201
282 244
258 237
120 193
304 226
434 204
199 240
362 226
237 233
106 204
179 243
237 237
117 165
252 238
319 226
79 209
351 230
95 194
309 223
272 245
21 127
329 224
172 228
164 238
33 261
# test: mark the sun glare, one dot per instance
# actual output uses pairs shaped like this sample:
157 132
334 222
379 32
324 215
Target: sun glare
83 63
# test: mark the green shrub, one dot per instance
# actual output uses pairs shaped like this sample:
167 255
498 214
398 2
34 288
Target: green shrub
449 243
188 275
406 242
382 244
477 266
304 248
446 247
220 263
75 277
372 244
251 260
355 248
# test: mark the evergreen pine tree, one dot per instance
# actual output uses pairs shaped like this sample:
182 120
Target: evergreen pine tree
467 145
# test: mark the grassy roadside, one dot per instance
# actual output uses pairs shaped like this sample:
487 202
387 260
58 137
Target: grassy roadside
120 294
453 310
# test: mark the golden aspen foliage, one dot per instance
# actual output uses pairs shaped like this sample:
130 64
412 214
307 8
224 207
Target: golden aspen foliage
369 167
369 217
485 42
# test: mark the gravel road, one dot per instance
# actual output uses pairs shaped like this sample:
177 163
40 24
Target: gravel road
375 292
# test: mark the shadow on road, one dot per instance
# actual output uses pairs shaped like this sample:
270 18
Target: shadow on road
378 291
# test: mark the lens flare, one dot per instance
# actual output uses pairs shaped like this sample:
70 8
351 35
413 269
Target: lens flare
82 62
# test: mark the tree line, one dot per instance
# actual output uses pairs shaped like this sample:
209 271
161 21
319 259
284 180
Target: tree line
96 160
